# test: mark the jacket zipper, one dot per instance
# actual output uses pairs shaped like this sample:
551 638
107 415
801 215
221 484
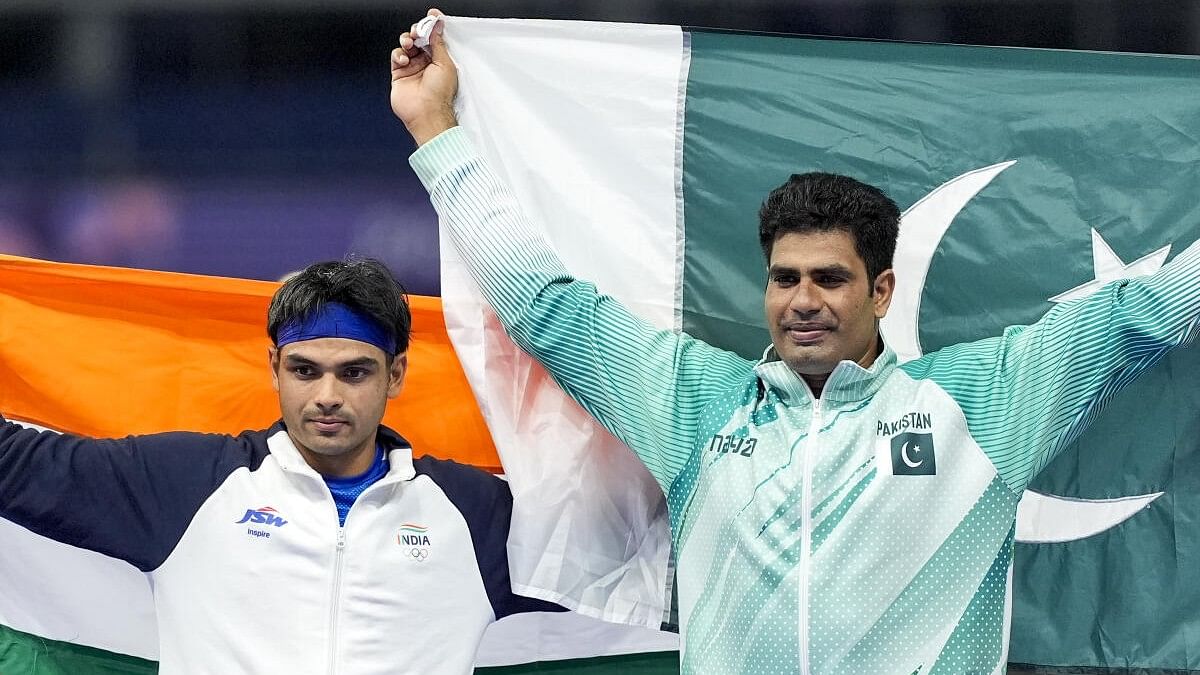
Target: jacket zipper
338 555
806 463
335 604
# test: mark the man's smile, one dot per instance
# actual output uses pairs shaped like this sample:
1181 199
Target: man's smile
328 425
807 333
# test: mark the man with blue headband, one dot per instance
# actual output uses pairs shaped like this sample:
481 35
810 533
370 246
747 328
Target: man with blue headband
360 558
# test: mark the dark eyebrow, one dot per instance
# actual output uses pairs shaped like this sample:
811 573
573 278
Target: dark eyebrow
835 269
298 360
828 269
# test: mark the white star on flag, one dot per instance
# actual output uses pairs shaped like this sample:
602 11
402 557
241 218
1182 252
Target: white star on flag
1109 267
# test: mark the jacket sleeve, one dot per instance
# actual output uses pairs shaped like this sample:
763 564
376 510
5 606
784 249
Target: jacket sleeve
129 498
1030 392
485 503
647 386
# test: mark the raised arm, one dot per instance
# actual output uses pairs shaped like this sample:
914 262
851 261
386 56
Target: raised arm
130 498
1030 392
647 386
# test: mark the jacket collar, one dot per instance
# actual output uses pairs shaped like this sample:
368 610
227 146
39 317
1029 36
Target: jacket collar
848 383
399 453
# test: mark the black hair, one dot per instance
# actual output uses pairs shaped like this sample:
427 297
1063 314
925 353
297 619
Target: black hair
822 202
363 284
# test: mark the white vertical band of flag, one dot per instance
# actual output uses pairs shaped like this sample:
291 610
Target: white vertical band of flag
582 121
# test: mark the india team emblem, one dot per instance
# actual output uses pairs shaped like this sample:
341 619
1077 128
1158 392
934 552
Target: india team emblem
414 540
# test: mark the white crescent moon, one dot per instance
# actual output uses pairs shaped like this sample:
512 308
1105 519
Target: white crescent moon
904 456
922 227
1041 518
1050 519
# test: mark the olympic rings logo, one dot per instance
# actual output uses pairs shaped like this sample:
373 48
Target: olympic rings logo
417 553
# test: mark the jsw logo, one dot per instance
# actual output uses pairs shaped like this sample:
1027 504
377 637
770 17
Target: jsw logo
264 516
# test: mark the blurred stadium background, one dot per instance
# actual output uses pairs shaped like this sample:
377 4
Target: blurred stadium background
248 138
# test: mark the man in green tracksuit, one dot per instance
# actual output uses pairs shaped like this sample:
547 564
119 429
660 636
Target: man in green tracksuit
833 511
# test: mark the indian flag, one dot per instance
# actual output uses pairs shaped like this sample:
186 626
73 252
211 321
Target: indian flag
1029 177
109 352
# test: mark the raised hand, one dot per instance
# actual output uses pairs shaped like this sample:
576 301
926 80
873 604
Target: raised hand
424 84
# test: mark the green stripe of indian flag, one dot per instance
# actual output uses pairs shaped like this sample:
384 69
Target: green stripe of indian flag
27 654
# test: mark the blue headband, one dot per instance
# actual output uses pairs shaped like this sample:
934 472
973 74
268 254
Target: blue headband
336 320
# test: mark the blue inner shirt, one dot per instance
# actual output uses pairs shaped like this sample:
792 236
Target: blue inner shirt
346 490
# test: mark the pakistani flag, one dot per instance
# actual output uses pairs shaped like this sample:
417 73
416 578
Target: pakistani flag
1029 177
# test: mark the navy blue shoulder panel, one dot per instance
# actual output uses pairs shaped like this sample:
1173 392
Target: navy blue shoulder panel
486 503
130 498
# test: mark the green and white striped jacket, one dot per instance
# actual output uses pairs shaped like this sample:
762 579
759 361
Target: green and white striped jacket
868 531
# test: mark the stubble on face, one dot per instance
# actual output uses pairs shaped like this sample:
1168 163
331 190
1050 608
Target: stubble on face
821 306
332 395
